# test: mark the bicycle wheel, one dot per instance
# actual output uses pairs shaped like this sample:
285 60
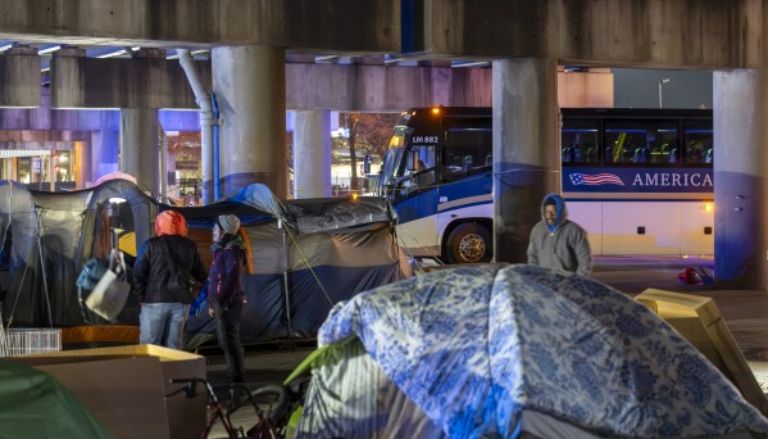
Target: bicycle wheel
267 404
273 398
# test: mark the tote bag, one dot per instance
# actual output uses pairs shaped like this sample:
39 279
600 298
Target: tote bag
109 295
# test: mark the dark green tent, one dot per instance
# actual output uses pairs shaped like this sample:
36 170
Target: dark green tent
33 405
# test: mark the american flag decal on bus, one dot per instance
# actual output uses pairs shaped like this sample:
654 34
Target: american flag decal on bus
579 179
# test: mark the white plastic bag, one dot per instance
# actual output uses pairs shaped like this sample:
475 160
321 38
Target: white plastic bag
108 298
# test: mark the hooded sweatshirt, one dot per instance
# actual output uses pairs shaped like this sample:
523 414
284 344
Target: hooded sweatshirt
562 246
225 278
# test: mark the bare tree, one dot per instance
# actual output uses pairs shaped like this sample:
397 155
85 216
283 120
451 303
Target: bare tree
355 123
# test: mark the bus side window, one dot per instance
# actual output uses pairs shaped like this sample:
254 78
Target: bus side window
423 175
698 142
640 141
467 149
578 142
425 154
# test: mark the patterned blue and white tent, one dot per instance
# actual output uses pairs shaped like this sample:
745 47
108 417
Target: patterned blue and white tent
505 352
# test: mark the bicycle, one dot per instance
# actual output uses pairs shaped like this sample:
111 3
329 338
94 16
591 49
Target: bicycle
263 428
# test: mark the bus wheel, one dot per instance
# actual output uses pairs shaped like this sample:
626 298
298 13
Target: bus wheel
469 243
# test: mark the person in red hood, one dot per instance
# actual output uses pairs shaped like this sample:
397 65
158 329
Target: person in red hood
164 269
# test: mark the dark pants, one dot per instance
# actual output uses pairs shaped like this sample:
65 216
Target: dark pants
228 332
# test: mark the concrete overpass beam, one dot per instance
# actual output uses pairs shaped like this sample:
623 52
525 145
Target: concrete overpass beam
335 25
741 138
148 81
653 33
20 78
139 146
249 82
312 154
157 83
525 150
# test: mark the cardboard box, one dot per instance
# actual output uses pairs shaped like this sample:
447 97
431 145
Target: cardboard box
698 319
125 387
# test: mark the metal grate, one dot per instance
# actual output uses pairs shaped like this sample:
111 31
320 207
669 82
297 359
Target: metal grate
26 341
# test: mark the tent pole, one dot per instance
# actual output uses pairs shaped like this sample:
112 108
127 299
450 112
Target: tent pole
286 284
45 276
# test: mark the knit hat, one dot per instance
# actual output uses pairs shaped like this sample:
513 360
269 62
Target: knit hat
229 224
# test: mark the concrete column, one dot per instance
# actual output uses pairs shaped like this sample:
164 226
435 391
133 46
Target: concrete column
139 150
20 77
525 149
249 82
741 139
312 154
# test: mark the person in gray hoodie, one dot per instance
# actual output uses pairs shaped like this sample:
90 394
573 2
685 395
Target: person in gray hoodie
558 243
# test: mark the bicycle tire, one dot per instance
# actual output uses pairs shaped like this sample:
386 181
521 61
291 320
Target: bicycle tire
273 389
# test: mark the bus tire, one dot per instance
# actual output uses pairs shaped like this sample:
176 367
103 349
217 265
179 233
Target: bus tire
468 243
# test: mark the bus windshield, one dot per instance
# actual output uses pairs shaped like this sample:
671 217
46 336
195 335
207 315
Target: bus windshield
394 158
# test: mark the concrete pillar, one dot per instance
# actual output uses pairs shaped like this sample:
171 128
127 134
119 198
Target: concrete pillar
249 82
312 154
139 146
20 77
741 139
525 149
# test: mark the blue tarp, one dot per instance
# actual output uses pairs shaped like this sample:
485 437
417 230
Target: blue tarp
265 317
475 348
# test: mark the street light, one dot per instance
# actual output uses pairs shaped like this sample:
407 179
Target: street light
661 83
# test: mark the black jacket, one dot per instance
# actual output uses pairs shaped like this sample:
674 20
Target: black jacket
152 269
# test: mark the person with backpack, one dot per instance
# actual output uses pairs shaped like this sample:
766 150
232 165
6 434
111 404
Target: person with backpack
166 267
225 292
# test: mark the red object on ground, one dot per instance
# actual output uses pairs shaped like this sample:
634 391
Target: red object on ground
689 276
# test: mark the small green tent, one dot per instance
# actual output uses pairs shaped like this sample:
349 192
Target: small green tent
33 405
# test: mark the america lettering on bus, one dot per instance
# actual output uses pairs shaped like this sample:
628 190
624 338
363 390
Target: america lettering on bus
643 180
673 179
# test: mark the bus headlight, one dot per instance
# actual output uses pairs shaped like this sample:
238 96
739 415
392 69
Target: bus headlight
709 207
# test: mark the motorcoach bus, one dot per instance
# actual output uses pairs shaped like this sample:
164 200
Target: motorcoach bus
638 180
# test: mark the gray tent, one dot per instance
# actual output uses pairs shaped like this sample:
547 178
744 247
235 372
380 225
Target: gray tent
303 255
